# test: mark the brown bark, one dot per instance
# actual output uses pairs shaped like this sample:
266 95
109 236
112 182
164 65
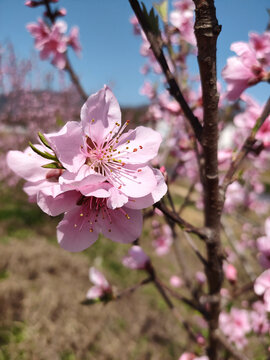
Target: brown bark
207 30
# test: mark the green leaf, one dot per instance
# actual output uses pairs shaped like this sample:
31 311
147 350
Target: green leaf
43 140
53 165
162 9
152 20
44 155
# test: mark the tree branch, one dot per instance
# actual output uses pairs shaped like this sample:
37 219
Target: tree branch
181 222
207 30
174 89
245 149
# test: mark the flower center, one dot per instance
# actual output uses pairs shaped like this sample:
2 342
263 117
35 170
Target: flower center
92 208
107 158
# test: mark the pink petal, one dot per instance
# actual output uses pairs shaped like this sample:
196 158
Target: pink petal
67 145
122 229
94 292
77 181
47 187
140 182
104 110
143 145
262 283
72 236
267 227
116 199
59 204
98 278
28 164
267 299
158 192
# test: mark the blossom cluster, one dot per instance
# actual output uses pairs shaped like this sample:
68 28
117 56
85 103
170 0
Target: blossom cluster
95 173
250 66
52 42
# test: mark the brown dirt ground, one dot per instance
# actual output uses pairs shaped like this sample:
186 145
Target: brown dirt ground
41 294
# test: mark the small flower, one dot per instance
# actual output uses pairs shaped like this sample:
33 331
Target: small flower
230 273
101 289
249 67
262 288
136 259
235 325
176 281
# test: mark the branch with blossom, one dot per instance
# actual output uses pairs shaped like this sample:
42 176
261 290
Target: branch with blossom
102 176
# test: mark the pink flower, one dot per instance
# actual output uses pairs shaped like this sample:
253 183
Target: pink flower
183 19
243 70
101 147
51 42
187 356
28 165
163 240
200 277
136 259
263 245
136 26
230 272
261 45
176 281
246 120
96 190
235 325
148 90
191 356
259 321
262 288
73 39
101 286
100 211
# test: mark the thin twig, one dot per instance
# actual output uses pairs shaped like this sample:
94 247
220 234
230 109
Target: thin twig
195 249
231 239
133 288
201 233
187 199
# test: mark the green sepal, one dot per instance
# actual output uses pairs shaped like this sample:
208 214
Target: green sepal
91 301
162 9
53 165
44 155
43 140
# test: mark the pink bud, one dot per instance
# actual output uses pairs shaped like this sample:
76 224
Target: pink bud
176 281
163 169
31 3
230 272
200 339
200 277
62 12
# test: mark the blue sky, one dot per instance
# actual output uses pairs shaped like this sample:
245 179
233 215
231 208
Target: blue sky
110 50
